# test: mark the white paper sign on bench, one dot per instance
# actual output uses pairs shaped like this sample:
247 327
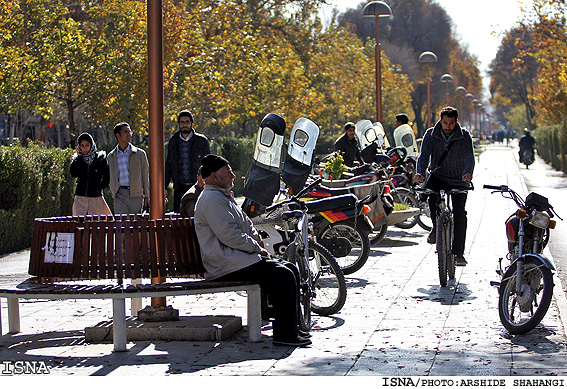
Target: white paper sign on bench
59 247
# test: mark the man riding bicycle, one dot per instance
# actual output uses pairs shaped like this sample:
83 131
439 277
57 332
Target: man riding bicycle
447 153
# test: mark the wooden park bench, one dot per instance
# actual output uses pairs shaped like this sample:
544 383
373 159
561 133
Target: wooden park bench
68 250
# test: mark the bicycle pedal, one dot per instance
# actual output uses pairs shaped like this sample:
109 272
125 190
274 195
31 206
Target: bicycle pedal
495 283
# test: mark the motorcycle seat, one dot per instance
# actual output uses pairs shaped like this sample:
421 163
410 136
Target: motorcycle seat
331 203
326 192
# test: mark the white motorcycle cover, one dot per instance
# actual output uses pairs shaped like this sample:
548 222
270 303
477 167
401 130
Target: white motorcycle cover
299 159
404 137
269 149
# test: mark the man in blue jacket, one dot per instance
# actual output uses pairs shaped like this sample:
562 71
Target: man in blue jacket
447 154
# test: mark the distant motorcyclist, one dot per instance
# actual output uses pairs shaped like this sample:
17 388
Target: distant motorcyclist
527 143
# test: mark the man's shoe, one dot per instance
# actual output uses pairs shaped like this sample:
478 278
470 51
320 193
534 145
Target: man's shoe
432 237
460 260
298 341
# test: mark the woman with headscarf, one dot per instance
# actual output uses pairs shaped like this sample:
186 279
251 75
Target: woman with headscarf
91 169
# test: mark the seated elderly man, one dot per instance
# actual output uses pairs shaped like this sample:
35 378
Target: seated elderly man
233 251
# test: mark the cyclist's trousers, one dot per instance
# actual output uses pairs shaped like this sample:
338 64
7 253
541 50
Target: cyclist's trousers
458 201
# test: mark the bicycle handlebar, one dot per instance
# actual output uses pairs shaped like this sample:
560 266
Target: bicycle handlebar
501 188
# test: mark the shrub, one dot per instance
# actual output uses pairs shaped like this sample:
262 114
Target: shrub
34 182
239 152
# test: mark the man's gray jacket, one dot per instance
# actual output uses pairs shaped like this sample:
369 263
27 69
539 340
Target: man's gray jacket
459 160
139 171
227 237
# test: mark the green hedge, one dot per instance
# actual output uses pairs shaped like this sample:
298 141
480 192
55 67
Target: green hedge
34 182
551 144
239 152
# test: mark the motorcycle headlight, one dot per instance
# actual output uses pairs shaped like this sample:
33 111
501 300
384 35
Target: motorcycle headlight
540 220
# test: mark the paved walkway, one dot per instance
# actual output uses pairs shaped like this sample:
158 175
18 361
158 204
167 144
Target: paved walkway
397 320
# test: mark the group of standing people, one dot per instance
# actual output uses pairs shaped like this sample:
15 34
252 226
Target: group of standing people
126 170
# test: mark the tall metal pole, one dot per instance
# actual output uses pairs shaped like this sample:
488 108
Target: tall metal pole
378 75
155 120
428 98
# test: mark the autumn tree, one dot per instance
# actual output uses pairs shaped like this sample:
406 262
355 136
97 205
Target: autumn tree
415 27
549 26
514 73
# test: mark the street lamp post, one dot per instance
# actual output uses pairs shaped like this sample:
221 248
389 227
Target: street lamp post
469 97
378 9
447 78
428 57
461 91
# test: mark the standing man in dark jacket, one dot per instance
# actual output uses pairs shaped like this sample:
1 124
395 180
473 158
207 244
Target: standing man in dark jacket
185 150
348 144
452 172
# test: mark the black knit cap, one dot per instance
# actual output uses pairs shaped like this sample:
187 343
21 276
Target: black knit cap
211 163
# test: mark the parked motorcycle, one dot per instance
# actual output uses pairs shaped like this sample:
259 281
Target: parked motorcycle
338 223
401 161
526 284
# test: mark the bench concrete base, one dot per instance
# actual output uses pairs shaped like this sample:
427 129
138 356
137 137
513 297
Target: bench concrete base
196 328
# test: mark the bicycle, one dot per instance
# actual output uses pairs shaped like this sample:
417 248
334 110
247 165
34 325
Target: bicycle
322 286
444 232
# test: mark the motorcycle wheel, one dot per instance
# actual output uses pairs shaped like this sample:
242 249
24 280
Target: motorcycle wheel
442 249
360 244
329 286
424 218
521 314
305 287
376 236
405 197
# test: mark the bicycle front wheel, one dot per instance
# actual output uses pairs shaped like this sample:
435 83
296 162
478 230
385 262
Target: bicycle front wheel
329 285
443 248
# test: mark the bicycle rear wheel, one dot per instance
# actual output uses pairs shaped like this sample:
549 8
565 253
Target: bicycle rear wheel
424 218
329 285
405 196
294 255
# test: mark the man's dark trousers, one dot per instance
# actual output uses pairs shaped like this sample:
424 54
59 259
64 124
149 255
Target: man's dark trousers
280 280
458 201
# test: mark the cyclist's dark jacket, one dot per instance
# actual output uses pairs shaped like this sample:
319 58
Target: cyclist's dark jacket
459 160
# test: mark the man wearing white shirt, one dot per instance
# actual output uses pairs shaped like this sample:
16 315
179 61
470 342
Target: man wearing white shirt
129 173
